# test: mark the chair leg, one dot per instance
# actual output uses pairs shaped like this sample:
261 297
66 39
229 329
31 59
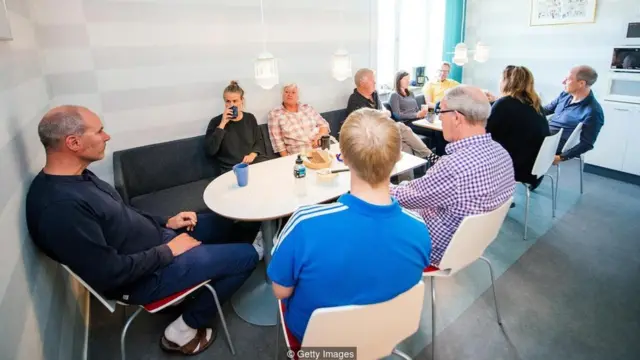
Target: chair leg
557 178
493 286
433 318
581 171
526 211
124 332
278 333
554 195
401 354
222 320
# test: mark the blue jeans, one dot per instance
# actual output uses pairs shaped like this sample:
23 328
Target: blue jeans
226 257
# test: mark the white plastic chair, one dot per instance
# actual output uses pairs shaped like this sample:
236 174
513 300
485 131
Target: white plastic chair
544 160
373 329
474 235
154 307
572 141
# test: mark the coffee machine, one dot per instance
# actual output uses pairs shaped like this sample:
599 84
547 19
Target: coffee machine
418 76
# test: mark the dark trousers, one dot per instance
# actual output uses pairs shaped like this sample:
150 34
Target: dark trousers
226 257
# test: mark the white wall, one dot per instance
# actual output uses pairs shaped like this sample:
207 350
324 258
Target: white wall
41 310
548 51
155 70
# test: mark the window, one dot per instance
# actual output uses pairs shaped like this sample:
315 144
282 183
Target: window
386 41
410 34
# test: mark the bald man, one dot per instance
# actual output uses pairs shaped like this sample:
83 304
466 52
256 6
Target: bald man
575 105
128 255
475 176
366 96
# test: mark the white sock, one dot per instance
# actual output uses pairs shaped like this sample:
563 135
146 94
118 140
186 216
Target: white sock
179 332
258 244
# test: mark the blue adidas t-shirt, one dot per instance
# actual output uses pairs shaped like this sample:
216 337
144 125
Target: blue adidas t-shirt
347 253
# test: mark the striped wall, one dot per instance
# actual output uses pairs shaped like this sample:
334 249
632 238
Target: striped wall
41 310
548 51
155 70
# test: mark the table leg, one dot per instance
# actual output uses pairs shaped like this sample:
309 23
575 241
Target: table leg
254 302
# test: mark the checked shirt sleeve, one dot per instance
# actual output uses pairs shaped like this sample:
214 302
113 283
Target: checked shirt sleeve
436 189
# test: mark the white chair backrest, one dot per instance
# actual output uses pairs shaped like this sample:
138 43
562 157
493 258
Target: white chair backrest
109 304
547 153
474 235
374 329
573 139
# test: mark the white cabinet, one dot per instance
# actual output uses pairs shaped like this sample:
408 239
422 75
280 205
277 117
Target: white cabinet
611 144
631 162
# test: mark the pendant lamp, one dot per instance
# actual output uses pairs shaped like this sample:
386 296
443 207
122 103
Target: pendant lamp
266 65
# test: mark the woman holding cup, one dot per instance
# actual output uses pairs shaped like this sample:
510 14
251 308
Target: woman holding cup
234 136
403 103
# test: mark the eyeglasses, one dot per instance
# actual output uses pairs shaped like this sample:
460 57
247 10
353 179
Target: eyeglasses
439 111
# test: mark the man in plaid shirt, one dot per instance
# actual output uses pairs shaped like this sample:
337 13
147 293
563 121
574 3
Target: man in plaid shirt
476 175
293 127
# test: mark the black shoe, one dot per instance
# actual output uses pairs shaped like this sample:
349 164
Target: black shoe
534 185
512 205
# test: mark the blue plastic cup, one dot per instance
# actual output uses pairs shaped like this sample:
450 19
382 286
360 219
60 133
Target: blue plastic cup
242 174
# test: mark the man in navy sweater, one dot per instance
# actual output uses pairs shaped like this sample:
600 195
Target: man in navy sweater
81 221
576 104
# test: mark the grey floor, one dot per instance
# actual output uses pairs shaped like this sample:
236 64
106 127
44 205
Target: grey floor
572 291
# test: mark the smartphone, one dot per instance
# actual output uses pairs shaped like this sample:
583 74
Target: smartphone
234 112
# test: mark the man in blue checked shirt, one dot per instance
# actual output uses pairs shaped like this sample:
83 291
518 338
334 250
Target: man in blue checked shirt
363 249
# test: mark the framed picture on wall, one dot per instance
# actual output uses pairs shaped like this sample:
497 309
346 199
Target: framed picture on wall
5 30
559 12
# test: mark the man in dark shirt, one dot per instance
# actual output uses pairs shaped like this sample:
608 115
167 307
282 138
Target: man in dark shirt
365 94
126 254
576 104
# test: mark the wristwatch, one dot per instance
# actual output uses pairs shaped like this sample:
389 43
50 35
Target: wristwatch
562 158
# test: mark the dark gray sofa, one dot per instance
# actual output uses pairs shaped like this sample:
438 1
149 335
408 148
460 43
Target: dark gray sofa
169 177
335 119
165 178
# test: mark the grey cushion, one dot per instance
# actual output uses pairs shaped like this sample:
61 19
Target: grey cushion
152 168
170 201
268 147
387 106
335 119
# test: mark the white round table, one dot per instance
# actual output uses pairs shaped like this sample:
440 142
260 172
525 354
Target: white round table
433 123
271 194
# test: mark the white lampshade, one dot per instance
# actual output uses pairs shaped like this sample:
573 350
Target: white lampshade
460 54
266 71
341 67
460 51
482 52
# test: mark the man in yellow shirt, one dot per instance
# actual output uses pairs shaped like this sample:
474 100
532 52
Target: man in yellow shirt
434 90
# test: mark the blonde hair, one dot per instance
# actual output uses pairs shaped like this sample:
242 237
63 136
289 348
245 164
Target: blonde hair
289 85
370 143
233 87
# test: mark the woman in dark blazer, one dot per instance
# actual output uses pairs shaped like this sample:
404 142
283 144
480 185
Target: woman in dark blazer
517 123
